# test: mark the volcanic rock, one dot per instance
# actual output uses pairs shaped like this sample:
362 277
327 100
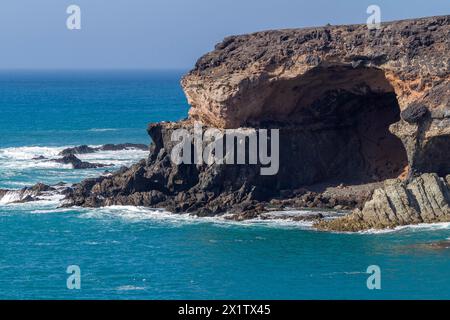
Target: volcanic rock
356 109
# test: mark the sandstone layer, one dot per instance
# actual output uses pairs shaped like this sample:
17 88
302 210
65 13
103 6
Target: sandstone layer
355 107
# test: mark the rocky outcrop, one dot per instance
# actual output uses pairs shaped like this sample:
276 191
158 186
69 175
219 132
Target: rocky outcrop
424 199
84 149
354 108
78 164
290 76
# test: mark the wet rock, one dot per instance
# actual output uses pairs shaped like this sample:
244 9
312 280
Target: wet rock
27 194
78 164
39 188
351 105
39 158
84 149
26 199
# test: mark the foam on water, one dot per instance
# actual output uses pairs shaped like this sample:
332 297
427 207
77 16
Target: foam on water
411 227
139 214
22 157
19 160
117 158
46 199
20 168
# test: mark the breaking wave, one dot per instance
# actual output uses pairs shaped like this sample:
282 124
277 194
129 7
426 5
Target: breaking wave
29 157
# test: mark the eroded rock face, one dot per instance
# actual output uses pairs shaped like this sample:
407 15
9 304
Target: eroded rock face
284 76
78 164
352 105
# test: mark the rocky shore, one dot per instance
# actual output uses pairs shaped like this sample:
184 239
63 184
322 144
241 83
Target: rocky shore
364 122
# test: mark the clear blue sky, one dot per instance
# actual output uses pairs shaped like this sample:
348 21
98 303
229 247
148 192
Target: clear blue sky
161 34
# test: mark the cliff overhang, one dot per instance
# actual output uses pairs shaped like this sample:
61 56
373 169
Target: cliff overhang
354 106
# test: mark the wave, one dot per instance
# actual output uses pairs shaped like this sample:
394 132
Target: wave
411 227
28 157
134 214
13 197
102 129
142 214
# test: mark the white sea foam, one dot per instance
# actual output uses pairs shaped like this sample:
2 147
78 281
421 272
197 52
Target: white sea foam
102 129
412 227
137 214
10 196
129 288
22 158
117 158
46 198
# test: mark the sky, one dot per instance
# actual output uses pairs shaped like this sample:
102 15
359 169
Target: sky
165 34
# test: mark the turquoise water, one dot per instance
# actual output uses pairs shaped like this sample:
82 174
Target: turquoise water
138 253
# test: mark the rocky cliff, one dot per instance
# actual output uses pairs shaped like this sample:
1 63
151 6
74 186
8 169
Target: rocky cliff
354 108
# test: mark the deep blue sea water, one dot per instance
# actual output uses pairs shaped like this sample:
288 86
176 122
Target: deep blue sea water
138 253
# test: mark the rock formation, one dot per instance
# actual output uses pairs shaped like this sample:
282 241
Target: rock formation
424 199
84 149
353 106
78 164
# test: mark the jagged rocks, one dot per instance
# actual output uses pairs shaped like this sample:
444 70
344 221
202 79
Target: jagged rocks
78 164
353 106
424 199
84 149
27 194
291 76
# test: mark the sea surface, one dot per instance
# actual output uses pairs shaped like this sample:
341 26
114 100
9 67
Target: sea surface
139 253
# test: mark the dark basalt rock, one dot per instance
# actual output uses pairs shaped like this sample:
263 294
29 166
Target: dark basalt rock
39 158
26 199
39 188
78 164
84 149
203 190
29 194
414 113
354 107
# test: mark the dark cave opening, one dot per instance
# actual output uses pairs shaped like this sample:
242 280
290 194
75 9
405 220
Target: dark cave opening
335 127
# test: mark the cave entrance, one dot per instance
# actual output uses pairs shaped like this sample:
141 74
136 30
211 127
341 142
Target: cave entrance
336 126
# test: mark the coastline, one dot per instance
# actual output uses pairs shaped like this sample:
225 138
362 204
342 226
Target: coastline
356 133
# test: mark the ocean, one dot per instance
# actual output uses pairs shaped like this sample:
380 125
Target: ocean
141 253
